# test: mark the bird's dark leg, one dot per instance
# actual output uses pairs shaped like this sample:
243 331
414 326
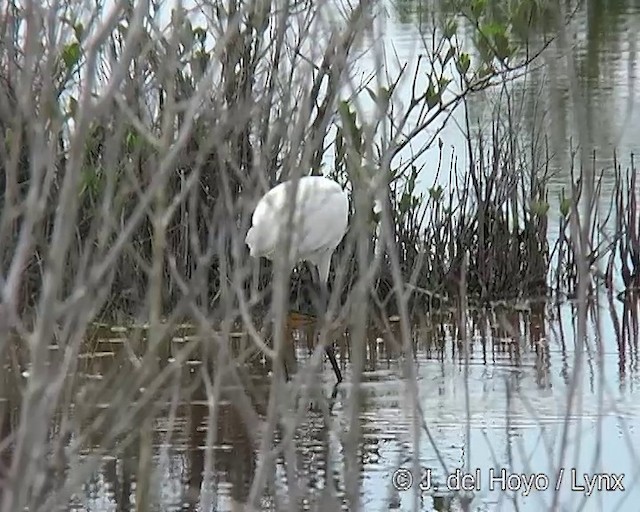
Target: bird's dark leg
332 358
324 306
284 367
332 398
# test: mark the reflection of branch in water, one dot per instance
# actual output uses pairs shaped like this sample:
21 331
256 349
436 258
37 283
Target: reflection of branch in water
237 464
332 398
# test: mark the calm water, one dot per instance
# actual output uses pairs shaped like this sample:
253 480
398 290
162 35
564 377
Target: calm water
605 51
508 409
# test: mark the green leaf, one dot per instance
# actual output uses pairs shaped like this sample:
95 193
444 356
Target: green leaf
78 28
405 203
411 184
350 126
381 98
71 55
450 29
484 48
449 55
492 29
90 180
443 82
477 8
464 61
540 208
503 49
485 71
436 193
344 111
432 96
132 140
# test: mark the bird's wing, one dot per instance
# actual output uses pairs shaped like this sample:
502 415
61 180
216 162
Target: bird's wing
319 219
271 202
323 219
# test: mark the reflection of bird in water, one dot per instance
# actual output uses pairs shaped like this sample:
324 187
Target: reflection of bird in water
319 223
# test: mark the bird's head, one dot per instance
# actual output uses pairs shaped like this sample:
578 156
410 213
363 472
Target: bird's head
255 242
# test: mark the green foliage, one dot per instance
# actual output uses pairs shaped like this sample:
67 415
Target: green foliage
78 29
132 141
91 182
498 28
409 202
349 145
350 127
381 98
436 192
71 55
478 7
405 203
493 41
432 96
450 29
463 63
411 180
451 52
539 208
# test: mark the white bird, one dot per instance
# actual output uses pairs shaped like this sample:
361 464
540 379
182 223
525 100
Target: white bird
319 223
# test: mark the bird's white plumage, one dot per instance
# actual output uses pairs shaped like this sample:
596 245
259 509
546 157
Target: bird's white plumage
319 222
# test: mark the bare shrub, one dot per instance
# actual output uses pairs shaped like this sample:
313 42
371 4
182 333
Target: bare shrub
132 156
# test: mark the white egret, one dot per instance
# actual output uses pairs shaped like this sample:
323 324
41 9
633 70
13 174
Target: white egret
319 223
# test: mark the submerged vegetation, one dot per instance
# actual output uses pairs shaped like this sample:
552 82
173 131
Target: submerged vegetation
132 154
